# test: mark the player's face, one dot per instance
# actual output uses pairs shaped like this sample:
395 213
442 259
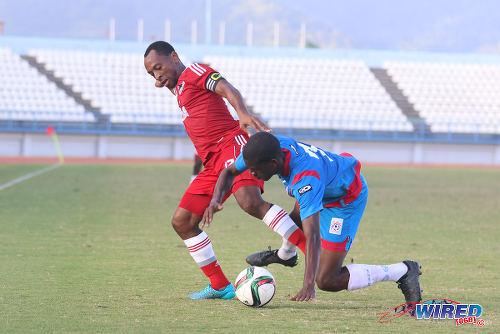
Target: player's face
163 68
262 171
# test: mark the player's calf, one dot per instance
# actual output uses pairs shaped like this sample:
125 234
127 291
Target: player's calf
333 283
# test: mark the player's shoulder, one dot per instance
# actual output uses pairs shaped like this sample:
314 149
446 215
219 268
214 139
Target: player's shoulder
285 142
198 69
306 183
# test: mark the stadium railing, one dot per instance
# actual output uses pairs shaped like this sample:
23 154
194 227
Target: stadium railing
314 128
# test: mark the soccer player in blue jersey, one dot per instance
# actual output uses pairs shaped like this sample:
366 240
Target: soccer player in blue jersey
331 196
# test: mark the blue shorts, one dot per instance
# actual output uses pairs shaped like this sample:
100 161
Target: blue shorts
338 226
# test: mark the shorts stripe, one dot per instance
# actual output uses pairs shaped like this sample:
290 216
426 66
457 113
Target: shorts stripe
335 246
240 140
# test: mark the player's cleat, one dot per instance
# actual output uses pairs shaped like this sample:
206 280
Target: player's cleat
264 258
211 293
409 283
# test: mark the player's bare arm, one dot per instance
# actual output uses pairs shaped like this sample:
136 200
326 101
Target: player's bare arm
313 244
225 89
222 186
295 215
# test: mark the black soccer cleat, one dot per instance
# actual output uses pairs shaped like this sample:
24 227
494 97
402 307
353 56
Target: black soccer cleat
264 258
409 283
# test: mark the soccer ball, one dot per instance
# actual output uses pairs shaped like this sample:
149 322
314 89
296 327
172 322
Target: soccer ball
255 286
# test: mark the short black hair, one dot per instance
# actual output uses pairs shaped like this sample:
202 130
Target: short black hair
262 147
161 47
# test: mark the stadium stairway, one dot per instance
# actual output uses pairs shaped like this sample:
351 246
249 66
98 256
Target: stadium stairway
400 99
99 116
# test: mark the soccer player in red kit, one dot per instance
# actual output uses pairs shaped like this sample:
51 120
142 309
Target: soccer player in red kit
218 139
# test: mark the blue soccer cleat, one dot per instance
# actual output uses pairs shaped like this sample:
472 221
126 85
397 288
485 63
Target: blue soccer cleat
211 293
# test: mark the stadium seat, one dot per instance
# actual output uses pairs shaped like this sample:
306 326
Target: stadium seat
312 90
28 95
115 82
451 97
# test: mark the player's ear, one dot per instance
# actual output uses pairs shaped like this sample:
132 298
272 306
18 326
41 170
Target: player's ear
175 57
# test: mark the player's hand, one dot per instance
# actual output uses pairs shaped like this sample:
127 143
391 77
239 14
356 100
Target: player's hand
305 294
208 215
254 122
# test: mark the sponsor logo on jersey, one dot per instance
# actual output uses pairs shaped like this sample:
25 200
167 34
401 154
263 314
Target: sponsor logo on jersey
305 189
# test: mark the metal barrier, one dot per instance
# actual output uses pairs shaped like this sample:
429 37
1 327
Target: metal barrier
303 127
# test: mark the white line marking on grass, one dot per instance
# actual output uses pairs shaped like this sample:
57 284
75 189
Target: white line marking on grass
28 176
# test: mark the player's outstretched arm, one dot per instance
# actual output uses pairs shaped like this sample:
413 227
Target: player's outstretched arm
225 89
222 186
313 244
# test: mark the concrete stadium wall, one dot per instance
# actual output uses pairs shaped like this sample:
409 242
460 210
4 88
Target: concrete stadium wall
180 148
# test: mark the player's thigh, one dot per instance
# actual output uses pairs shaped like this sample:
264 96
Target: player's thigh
339 226
191 207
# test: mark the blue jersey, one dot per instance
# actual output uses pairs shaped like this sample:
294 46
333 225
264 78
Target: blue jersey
316 178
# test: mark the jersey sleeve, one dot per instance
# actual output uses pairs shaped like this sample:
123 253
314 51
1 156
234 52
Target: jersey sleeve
205 77
309 192
239 163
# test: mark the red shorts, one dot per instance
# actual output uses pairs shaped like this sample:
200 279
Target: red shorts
199 193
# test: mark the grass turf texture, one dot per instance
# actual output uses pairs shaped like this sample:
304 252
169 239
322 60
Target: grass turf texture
89 248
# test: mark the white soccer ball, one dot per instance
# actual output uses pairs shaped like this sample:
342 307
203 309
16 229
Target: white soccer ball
255 286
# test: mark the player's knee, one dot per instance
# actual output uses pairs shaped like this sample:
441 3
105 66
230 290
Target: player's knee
250 200
176 222
181 222
330 283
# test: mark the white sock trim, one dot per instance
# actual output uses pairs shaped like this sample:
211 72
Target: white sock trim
279 221
200 248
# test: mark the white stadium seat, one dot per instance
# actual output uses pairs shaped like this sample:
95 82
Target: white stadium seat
451 97
115 82
314 91
298 92
25 94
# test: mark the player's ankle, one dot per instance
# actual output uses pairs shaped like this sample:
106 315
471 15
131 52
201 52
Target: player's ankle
286 254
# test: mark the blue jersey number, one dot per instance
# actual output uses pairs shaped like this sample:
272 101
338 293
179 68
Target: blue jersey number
312 150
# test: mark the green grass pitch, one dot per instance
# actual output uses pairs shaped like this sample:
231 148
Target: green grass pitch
90 249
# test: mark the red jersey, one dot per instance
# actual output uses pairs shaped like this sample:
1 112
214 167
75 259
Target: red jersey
205 114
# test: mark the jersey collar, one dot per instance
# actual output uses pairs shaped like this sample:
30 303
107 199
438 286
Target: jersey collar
286 167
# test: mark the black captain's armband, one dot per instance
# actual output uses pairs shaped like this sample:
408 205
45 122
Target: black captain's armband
212 81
